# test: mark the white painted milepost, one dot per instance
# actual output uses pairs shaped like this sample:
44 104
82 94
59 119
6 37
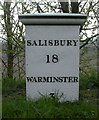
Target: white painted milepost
52 54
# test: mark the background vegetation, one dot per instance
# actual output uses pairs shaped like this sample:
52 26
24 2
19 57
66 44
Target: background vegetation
13 70
13 31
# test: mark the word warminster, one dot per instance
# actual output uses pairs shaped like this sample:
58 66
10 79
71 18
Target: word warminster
52 79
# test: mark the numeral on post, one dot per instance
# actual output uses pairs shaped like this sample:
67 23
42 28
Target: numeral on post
54 58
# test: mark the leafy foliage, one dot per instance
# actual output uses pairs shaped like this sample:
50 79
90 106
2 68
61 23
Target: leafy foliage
88 32
89 80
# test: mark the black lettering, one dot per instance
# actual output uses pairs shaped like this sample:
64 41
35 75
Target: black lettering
48 59
39 79
45 79
75 42
70 79
51 79
50 42
55 58
29 43
60 79
75 79
34 79
40 43
29 79
45 42
62 42
65 79
34 43
56 42
55 79
69 42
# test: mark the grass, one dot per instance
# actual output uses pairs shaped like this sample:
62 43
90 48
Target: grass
10 86
47 108
15 104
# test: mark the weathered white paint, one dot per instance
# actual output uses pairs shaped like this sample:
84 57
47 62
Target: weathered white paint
68 64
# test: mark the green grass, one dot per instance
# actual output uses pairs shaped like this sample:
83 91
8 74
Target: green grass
47 108
15 104
10 86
